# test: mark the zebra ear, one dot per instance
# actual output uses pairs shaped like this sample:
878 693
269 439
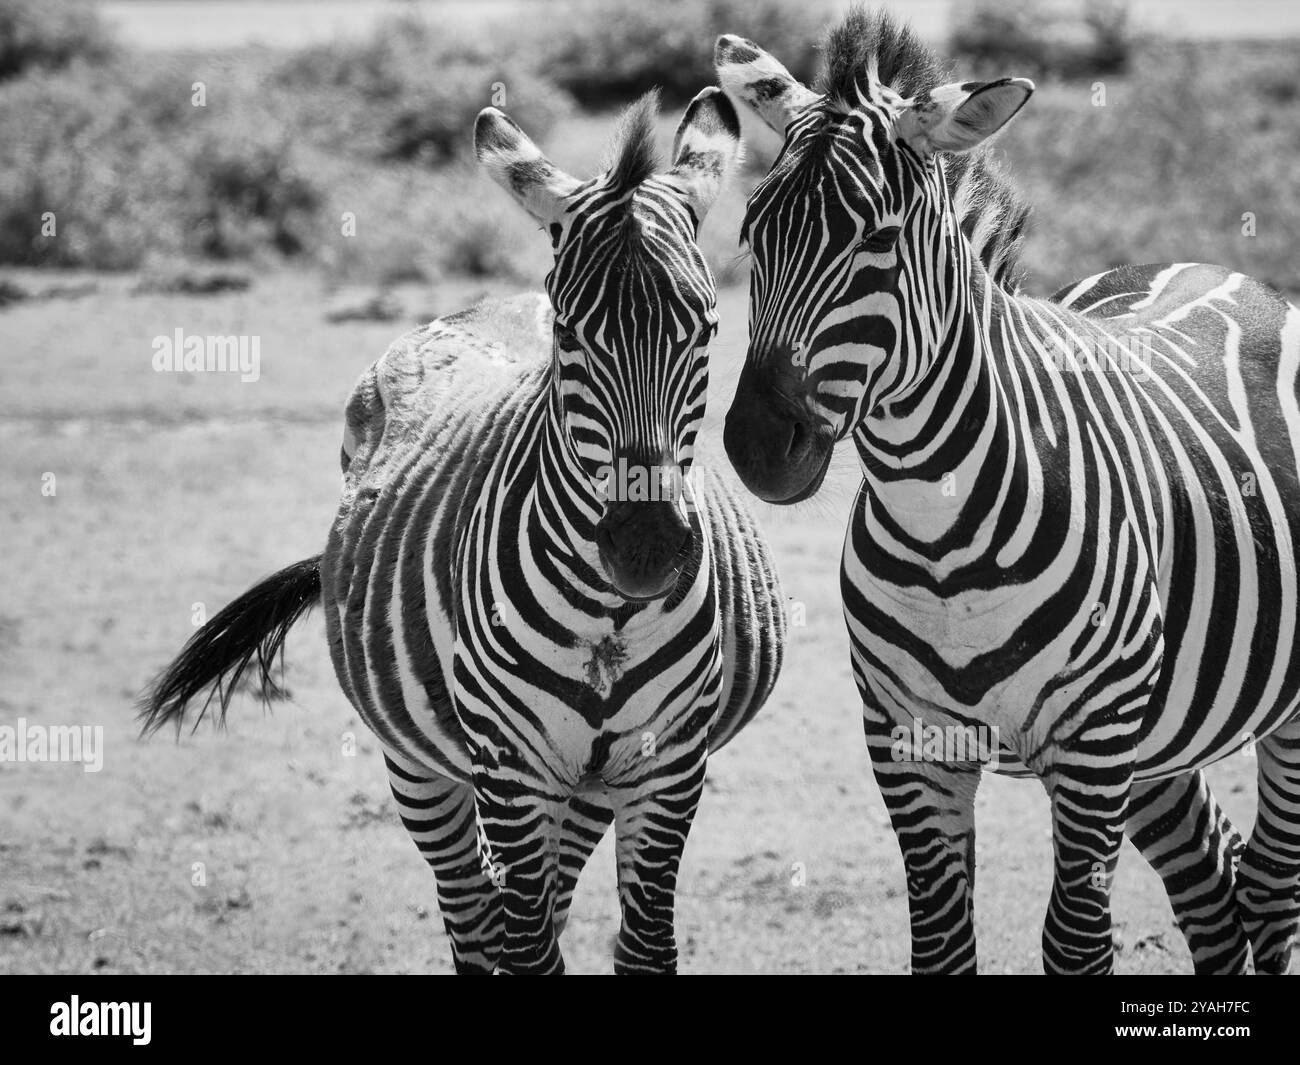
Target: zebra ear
705 148
759 81
518 166
960 116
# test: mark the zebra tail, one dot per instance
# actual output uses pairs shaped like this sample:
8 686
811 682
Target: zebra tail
254 626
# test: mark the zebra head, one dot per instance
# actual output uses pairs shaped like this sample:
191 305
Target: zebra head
634 307
845 231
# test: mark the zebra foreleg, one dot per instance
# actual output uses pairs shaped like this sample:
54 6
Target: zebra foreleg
439 815
653 810
519 824
1268 878
1089 810
1184 835
932 809
584 824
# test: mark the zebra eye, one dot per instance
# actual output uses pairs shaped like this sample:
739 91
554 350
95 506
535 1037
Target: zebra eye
566 338
880 241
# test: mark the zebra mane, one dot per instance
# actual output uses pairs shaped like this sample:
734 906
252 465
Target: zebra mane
633 157
874 39
992 211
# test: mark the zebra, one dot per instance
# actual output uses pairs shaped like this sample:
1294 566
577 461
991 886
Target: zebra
1099 565
539 650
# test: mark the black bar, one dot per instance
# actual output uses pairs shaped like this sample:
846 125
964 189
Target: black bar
923 1018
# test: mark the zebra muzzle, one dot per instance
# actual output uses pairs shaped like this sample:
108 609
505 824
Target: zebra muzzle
643 546
779 450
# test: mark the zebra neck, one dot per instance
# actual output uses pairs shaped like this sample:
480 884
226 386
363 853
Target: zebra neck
938 460
560 505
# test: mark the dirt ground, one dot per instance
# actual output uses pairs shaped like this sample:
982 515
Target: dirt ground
174 490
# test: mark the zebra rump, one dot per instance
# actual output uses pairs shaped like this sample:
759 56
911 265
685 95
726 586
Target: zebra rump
254 626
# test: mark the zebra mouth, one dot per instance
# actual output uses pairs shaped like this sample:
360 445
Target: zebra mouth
780 452
812 487
636 585
643 548
635 591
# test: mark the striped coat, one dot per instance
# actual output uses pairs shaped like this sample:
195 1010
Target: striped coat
1079 517
443 457
540 651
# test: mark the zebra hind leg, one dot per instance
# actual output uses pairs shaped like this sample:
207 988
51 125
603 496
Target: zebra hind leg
1177 825
1268 877
439 815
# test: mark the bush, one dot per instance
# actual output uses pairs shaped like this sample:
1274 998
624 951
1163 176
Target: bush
1011 37
616 50
122 186
1156 175
413 223
245 194
44 34
132 173
409 92
66 198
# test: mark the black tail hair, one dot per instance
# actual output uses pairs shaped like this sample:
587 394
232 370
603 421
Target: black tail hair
253 626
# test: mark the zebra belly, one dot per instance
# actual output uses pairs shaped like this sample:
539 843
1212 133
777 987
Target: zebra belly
420 427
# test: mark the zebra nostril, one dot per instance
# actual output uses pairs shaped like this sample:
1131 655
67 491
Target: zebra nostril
798 438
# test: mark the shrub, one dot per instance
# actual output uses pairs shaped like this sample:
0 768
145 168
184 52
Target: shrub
414 223
43 34
87 162
409 92
1156 175
611 52
121 186
245 195
1009 36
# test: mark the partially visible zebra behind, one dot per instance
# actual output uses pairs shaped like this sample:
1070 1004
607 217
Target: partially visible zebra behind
1079 519
539 647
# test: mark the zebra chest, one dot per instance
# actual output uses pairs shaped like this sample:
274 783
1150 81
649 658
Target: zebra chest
958 629
600 674
621 673
978 651
606 664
